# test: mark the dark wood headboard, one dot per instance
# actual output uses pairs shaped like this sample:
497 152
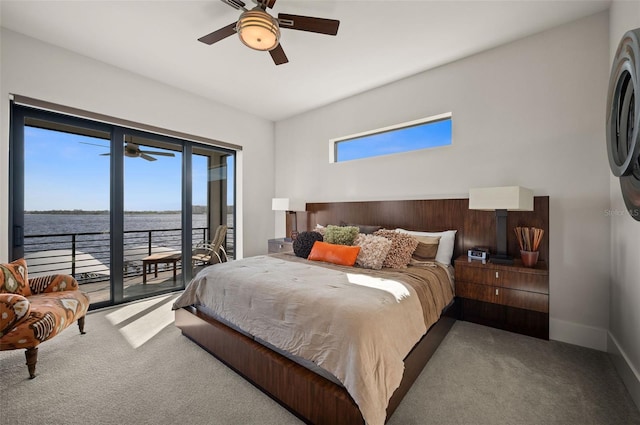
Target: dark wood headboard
475 228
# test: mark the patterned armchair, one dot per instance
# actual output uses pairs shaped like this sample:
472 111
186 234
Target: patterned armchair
35 310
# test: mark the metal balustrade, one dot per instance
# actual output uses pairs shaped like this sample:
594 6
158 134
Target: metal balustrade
87 256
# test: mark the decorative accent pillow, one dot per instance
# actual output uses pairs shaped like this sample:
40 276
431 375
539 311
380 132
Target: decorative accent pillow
14 278
427 248
304 242
340 235
12 310
320 229
402 247
446 246
373 250
342 255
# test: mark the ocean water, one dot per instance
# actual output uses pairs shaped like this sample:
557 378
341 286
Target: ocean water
48 237
50 224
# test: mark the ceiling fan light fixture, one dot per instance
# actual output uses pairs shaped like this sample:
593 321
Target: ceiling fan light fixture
258 30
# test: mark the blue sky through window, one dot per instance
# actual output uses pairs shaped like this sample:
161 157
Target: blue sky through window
421 136
63 172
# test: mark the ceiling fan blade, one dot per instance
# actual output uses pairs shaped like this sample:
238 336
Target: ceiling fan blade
265 3
147 157
278 56
307 23
105 154
218 35
158 153
94 144
236 4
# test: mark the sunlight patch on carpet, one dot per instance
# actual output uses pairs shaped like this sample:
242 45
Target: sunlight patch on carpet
158 316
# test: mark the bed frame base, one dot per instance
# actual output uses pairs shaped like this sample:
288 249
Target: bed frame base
310 397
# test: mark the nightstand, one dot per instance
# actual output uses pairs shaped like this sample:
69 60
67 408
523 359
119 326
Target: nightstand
509 297
280 245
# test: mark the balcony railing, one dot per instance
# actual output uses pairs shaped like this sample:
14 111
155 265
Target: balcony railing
87 256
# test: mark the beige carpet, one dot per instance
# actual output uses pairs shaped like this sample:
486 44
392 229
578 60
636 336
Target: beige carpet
134 367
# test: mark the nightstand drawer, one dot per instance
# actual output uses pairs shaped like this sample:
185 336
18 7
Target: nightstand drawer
485 276
475 292
512 277
504 296
533 282
280 245
525 300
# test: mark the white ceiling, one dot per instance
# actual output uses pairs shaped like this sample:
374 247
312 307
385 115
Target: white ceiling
379 41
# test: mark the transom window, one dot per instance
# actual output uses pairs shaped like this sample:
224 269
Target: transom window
410 136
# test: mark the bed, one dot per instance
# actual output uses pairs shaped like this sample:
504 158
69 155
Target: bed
355 325
308 392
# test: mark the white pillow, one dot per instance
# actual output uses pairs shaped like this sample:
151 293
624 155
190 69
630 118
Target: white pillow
445 248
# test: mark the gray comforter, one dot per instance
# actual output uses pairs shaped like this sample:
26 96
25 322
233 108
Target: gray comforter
356 323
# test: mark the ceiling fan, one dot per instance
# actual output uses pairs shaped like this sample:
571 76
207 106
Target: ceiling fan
261 31
132 150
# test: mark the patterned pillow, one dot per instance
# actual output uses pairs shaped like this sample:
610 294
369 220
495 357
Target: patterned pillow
12 310
14 278
402 247
427 248
304 242
373 251
340 235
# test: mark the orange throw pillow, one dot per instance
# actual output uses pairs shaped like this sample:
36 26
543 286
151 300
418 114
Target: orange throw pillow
342 255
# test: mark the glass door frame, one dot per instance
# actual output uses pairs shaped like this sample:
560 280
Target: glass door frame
117 202
18 115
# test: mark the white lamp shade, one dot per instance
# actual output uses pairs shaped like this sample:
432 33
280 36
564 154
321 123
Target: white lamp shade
511 198
288 204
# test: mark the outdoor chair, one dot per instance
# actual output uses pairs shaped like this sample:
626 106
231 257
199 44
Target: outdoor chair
214 252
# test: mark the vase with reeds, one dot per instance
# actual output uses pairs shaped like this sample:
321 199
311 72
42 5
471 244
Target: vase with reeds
529 239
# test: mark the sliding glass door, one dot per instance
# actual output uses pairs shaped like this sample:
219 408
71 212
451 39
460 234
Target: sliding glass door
152 215
213 193
61 200
119 209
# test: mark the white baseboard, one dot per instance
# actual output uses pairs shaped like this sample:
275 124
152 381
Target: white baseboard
625 368
602 340
577 334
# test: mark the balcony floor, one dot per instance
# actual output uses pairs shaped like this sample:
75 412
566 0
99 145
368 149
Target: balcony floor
134 288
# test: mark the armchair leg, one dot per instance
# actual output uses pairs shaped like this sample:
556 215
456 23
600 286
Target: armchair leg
81 325
32 358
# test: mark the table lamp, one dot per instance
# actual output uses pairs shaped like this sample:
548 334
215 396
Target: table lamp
501 200
291 206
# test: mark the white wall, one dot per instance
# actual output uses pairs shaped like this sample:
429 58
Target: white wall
624 311
39 70
529 113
